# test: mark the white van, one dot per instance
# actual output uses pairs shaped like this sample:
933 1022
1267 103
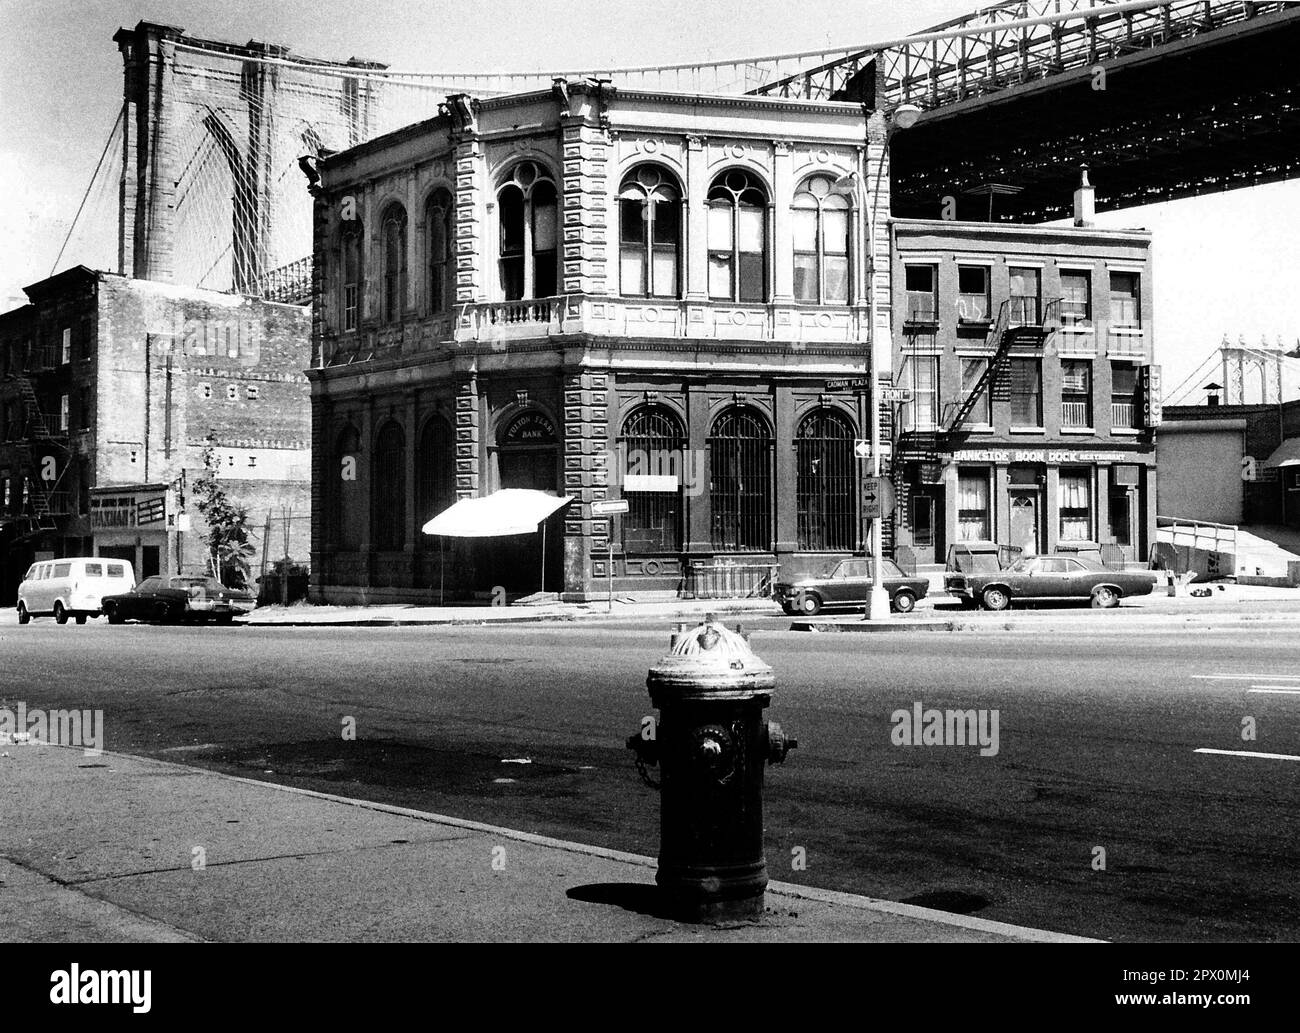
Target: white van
71 587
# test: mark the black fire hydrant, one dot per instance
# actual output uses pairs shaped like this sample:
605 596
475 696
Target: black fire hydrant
710 744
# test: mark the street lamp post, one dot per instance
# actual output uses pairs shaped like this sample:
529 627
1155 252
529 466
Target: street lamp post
902 117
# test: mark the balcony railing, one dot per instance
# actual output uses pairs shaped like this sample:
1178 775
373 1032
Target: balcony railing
1123 415
1126 342
1074 414
1024 310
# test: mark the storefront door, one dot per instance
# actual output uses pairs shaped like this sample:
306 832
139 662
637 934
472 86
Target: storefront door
1123 522
1024 521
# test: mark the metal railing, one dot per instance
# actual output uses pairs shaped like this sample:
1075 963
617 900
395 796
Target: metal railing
1075 414
1123 414
725 579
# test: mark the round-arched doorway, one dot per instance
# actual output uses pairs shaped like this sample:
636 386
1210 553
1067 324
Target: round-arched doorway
528 456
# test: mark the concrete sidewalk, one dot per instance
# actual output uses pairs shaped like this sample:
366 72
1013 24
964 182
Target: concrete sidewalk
112 848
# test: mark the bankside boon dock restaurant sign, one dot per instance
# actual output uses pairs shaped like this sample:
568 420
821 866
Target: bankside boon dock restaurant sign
1038 455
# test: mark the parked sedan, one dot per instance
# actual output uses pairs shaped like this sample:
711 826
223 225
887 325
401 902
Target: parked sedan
1035 578
178 598
847 584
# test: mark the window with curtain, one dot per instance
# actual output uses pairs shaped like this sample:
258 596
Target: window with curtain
1076 297
1075 503
971 371
826 485
1025 294
821 243
740 481
1076 393
654 444
1124 403
527 206
921 377
351 249
649 234
737 238
1125 307
973 505
394 236
973 302
440 242
922 285
389 493
1026 393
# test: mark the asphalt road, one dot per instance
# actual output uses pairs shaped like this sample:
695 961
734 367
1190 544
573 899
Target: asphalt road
1096 741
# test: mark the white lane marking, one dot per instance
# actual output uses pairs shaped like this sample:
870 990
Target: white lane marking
1247 677
1275 692
1248 753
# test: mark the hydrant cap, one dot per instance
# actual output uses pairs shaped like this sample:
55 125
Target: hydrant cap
711 659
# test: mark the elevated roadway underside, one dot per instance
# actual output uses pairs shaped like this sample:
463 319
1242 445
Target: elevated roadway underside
1206 114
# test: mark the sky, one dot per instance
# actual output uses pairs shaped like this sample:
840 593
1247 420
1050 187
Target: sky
1225 264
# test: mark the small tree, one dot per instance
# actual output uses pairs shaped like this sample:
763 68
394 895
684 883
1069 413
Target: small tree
227 523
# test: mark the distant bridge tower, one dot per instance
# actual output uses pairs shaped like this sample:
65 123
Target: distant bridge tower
210 191
1244 366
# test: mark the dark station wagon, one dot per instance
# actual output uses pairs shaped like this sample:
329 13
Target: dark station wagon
848 584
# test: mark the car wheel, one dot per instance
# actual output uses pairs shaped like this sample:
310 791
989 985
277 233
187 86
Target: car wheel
113 616
1105 598
789 609
23 616
904 602
81 618
60 614
810 605
226 618
996 599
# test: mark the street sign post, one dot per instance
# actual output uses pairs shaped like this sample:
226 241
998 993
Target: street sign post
611 508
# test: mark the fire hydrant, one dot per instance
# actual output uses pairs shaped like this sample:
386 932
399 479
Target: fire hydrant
710 744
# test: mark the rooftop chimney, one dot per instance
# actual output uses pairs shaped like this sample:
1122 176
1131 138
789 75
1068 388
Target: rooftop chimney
1085 204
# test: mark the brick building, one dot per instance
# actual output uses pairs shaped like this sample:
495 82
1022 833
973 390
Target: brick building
543 290
109 390
1027 351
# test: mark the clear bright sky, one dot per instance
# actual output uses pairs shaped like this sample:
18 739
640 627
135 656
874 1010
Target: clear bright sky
1223 264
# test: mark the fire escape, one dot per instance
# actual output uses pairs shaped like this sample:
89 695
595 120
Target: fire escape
43 502
1010 332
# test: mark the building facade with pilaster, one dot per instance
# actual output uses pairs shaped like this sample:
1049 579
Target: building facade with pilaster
600 294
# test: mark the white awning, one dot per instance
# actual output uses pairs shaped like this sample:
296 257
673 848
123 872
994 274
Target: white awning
1286 454
508 511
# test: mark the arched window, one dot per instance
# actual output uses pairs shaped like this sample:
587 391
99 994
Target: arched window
394 236
737 238
389 492
442 262
654 475
435 465
344 489
649 233
826 488
351 262
740 474
527 205
821 243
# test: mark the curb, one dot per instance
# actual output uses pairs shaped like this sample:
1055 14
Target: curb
523 618
780 889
